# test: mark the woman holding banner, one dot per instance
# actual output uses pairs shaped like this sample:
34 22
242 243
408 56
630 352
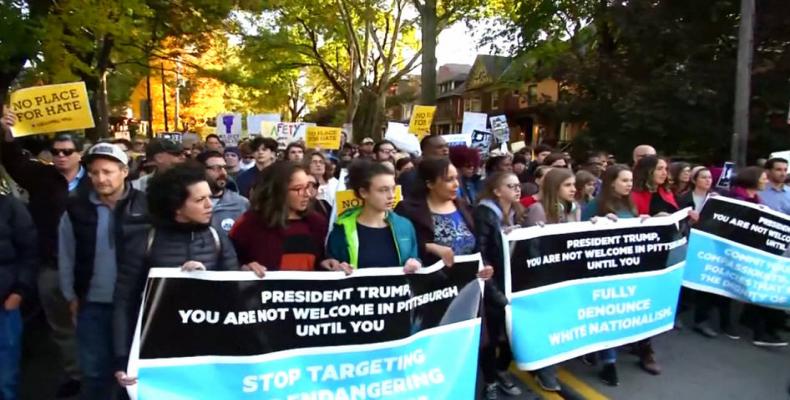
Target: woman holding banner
701 188
499 209
372 235
652 196
280 231
557 205
764 322
614 202
179 204
443 221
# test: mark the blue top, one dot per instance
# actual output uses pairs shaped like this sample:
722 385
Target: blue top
451 230
376 247
77 178
591 210
246 180
776 199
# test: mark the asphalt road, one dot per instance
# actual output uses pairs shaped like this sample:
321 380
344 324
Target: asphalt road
694 367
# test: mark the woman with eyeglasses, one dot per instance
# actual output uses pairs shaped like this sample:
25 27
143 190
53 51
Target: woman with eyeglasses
372 235
498 210
680 177
318 205
318 166
280 231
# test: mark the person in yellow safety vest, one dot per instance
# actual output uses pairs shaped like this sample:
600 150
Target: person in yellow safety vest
373 235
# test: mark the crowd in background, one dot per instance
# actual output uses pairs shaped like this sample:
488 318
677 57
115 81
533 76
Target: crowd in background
98 217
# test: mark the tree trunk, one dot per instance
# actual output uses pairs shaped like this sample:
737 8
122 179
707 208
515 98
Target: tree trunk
428 27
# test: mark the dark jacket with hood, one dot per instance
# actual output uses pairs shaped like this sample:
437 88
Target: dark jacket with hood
165 245
18 249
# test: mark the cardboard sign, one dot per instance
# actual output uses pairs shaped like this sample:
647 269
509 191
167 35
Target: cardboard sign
481 140
499 128
268 129
421 119
228 124
51 108
457 139
474 122
347 199
322 137
254 122
516 146
398 134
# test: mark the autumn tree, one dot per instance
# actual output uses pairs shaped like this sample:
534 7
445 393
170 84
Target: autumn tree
357 45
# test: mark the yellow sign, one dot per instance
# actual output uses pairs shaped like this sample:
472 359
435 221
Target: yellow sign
269 129
321 137
51 108
421 119
346 200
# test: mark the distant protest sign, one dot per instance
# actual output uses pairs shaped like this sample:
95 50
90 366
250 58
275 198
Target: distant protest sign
481 140
346 200
51 108
254 122
474 122
321 137
499 128
421 120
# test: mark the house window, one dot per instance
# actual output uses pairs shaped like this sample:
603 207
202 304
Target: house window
532 94
472 104
494 100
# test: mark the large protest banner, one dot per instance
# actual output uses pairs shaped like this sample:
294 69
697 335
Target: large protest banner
735 250
377 333
51 108
576 288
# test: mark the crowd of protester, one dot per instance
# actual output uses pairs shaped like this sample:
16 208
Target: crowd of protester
99 217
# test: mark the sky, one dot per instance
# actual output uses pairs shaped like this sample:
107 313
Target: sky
456 45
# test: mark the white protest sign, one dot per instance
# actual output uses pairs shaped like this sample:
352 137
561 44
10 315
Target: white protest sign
228 124
399 135
499 128
254 122
458 139
481 140
474 122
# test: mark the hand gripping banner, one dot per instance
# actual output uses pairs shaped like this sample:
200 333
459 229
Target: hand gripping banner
736 249
576 288
376 334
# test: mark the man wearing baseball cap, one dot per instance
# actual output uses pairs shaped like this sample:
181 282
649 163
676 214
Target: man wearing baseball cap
164 154
366 148
94 226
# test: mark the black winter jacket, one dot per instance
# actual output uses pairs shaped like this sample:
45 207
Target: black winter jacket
172 246
48 191
18 249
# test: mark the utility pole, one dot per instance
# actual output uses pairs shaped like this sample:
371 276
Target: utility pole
743 81
178 94
164 98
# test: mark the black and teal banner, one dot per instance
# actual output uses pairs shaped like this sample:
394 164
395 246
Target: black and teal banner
376 334
576 288
736 249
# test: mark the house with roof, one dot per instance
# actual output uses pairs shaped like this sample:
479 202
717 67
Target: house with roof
449 115
498 85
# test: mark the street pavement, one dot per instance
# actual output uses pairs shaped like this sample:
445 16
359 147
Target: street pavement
694 367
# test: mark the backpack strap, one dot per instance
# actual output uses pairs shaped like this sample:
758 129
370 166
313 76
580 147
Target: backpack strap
150 241
217 243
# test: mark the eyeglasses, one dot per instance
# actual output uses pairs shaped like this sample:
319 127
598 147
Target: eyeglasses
62 152
513 186
303 189
217 168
